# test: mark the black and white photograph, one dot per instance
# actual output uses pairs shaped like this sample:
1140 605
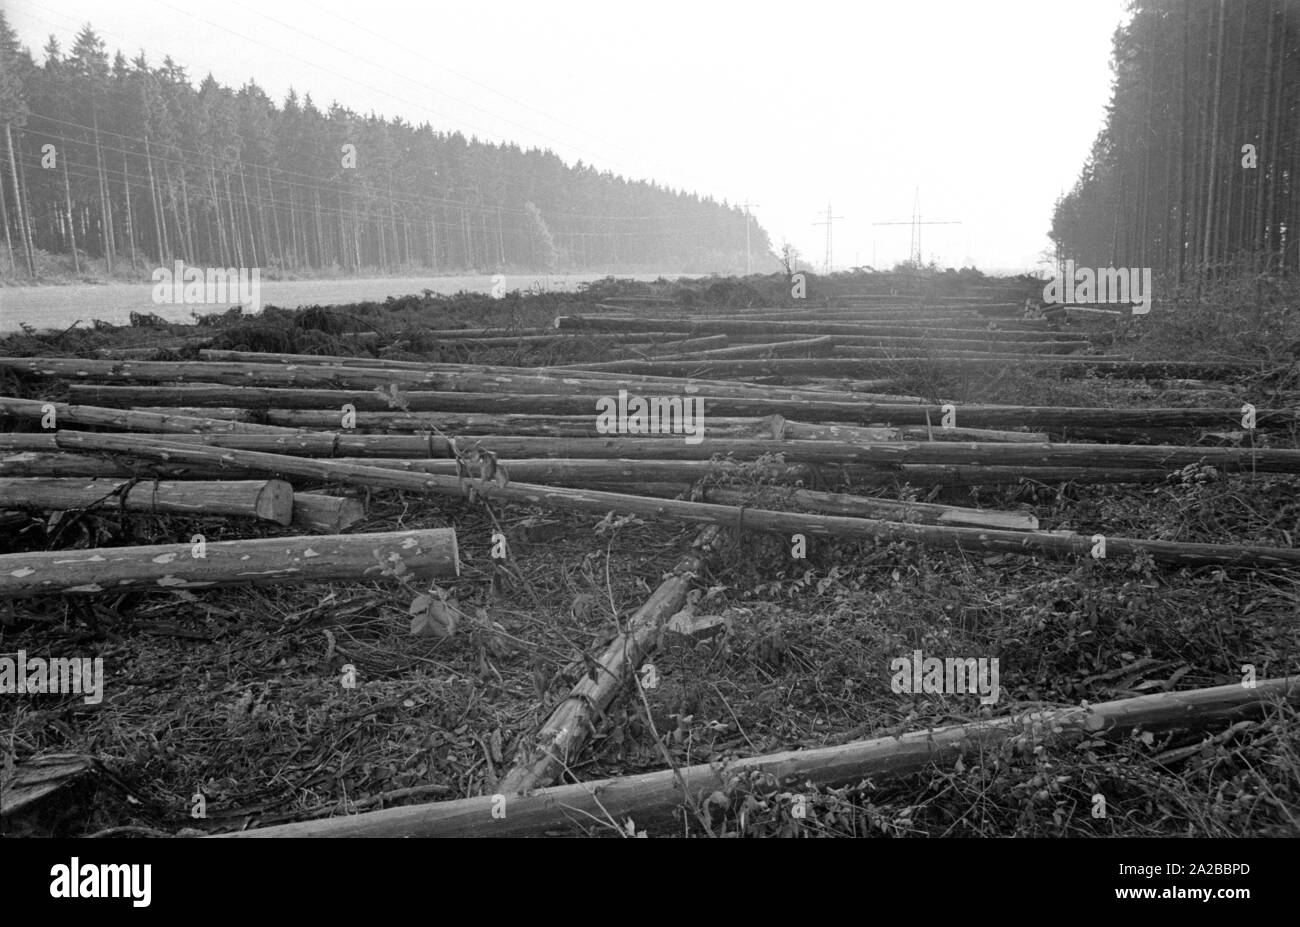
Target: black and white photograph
579 420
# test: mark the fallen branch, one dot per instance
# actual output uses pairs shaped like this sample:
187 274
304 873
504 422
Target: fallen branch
562 736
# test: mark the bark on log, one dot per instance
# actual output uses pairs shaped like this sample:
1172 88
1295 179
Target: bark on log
268 500
942 330
579 426
602 473
326 514
654 798
817 406
710 326
809 347
826 407
970 453
556 383
854 506
427 552
969 539
1060 365
56 463
129 420
931 474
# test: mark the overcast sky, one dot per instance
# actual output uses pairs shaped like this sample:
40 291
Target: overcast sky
988 107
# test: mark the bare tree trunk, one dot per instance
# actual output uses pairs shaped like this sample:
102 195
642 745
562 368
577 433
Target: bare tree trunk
23 235
72 231
1208 236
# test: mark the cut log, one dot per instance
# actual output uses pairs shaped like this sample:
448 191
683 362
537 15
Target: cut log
429 552
816 407
562 736
969 453
584 426
810 347
853 506
706 343
326 514
919 433
712 326
969 539
268 500
440 383
940 330
41 778
1061 365
649 799
601 473
64 414
932 474
56 463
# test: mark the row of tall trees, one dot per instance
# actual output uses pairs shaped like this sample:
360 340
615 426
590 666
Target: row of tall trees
131 164
1196 168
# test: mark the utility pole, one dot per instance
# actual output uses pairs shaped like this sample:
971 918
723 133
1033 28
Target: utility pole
915 222
827 222
749 265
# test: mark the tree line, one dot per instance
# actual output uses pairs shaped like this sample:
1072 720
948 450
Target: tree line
131 165
1195 170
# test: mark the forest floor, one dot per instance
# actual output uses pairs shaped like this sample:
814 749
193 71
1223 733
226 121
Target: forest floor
234 694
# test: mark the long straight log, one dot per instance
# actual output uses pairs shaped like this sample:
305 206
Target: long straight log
569 404
710 326
459 423
809 347
34 409
970 453
946 537
268 500
603 473
466 380
56 463
562 736
808 410
920 319
429 552
1061 365
932 474
853 506
650 799
584 426
919 433
862 347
